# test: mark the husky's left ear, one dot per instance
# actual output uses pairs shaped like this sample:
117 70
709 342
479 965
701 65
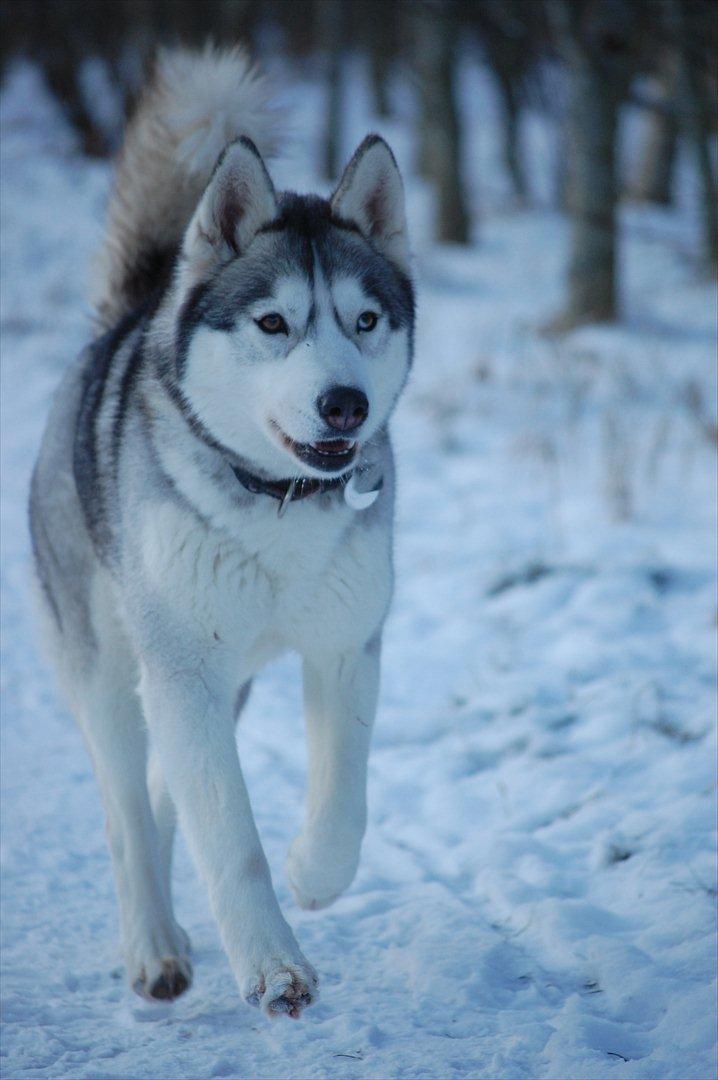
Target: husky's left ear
238 200
371 194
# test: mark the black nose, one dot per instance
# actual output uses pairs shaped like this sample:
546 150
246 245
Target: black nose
343 407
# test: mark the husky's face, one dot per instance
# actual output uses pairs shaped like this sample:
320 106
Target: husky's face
294 333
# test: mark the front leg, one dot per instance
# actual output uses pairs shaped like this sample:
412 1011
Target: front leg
340 695
191 722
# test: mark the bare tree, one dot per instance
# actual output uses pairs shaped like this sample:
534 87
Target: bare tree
692 24
512 34
377 25
331 26
59 36
653 178
434 51
512 145
597 42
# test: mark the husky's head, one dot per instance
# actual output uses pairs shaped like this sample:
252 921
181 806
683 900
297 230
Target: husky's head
295 313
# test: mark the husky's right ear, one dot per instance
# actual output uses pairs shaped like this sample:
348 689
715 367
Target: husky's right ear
238 200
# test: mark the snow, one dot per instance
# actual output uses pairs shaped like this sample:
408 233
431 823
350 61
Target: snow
537 890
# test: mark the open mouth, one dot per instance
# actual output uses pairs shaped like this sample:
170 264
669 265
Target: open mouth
329 455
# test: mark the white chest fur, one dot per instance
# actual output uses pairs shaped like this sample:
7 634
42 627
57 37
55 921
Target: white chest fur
315 580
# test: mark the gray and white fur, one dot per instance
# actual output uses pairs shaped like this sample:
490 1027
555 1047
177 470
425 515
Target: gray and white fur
246 333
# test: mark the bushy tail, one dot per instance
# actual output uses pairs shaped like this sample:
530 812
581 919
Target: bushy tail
195 103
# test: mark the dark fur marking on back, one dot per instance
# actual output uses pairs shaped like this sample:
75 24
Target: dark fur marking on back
39 550
84 460
150 270
129 378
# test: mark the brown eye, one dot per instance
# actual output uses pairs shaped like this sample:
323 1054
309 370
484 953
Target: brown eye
367 321
272 324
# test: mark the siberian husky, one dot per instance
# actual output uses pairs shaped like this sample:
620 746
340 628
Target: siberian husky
215 486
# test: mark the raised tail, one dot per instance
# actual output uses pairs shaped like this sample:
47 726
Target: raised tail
195 103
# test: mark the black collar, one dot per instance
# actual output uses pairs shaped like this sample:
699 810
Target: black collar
287 491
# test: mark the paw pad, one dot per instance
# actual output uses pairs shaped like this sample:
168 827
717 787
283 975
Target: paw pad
172 981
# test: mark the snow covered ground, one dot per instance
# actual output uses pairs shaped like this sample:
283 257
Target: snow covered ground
537 891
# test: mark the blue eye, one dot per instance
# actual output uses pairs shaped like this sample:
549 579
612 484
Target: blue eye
273 323
367 321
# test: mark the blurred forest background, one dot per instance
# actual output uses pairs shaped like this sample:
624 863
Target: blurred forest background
578 60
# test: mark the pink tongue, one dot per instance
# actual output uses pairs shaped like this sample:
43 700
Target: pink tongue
335 446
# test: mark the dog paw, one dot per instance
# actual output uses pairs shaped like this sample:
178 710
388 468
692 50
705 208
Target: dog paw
309 901
163 978
282 987
318 876
157 963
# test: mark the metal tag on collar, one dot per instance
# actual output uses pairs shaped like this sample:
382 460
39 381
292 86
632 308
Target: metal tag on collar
361 500
291 487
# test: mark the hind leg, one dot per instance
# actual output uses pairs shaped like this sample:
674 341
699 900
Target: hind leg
111 719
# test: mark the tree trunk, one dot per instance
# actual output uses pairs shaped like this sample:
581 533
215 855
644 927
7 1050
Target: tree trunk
379 68
379 36
592 126
331 35
435 47
654 175
694 110
598 43
511 133
62 78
